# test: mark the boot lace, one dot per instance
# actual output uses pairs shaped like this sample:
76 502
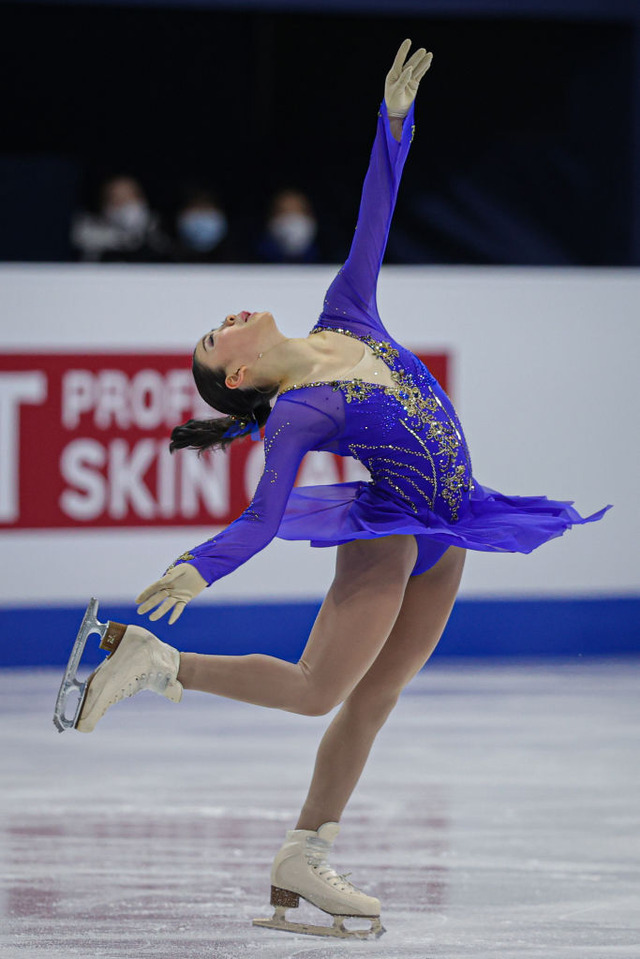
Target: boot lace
134 686
155 681
316 853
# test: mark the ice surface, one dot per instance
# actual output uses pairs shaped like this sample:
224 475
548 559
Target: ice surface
499 816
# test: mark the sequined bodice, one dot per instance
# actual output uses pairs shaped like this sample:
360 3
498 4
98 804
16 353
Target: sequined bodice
407 435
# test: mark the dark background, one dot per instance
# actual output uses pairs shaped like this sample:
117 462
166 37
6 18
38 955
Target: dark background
525 147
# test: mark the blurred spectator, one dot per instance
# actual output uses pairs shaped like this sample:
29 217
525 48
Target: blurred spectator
125 229
202 230
291 230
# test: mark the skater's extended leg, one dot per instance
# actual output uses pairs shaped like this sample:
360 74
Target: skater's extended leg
344 749
368 586
351 628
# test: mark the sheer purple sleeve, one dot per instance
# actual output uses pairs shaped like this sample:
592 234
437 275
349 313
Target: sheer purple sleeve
351 298
294 427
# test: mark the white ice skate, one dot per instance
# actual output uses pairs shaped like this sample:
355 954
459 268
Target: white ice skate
142 662
301 869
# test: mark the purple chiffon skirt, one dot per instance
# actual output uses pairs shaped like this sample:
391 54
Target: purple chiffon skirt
491 522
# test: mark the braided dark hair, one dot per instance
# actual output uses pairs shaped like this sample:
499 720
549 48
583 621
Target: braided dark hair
245 408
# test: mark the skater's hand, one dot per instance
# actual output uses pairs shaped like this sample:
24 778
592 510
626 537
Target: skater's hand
402 81
173 591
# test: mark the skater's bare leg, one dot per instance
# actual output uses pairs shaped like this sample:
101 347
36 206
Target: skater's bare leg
368 588
344 749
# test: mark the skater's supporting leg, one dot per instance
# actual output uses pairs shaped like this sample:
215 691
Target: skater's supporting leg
351 628
346 744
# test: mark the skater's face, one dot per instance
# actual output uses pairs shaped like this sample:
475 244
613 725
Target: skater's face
235 344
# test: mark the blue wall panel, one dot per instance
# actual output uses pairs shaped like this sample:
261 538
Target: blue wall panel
512 628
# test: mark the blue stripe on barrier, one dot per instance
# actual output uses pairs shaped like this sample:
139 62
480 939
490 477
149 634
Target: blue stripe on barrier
610 626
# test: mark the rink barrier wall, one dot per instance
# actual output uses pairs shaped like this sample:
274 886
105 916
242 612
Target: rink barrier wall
541 364
544 628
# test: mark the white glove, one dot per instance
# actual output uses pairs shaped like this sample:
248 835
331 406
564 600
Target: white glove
402 81
176 588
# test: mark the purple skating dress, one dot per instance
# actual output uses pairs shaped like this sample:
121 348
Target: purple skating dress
408 436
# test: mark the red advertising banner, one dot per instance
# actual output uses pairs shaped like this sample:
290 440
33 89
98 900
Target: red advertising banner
84 442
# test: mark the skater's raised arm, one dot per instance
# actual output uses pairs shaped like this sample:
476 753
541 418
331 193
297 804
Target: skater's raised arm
351 298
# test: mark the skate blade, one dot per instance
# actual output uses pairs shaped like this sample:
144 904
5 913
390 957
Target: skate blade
338 930
70 684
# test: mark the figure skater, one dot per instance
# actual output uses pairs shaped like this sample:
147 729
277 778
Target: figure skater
351 388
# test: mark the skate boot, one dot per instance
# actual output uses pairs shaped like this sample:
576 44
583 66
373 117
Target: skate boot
301 869
138 660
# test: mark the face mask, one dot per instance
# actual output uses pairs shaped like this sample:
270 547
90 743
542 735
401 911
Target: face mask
132 217
202 230
293 231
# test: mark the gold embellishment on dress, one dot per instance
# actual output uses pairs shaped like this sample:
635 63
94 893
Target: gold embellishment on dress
427 454
408 466
268 443
388 446
383 475
381 348
462 444
453 482
413 400
454 485
184 558
445 435
446 440
302 386
359 451
354 389
413 132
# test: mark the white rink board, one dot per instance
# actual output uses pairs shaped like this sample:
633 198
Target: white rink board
543 374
